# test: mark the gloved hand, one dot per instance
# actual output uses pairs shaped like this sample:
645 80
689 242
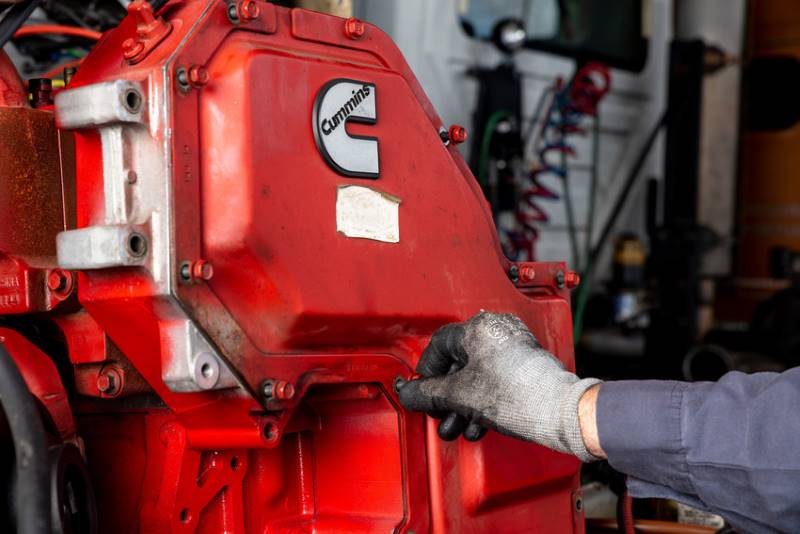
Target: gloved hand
493 373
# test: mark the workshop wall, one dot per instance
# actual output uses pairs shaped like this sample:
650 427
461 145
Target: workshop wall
440 54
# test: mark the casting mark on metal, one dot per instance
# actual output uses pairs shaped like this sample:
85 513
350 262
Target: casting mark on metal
338 102
367 213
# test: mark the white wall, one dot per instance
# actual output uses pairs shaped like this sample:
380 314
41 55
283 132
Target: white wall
428 33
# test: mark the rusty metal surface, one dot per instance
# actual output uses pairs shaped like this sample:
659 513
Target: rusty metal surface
31 207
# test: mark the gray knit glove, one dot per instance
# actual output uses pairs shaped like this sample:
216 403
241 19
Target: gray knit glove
491 372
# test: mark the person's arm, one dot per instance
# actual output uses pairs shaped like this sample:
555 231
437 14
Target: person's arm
730 447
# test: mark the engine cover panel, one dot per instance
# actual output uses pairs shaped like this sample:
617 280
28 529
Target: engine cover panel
335 296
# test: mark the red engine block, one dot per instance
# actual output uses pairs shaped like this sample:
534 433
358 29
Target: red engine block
266 222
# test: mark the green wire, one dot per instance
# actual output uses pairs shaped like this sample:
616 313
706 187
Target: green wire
486 142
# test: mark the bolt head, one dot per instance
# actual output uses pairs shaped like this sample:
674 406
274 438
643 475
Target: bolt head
527 274
248 10
60 281
56 280
284 390
354 28
572 279
198 76
202 270
109 382
457 134
103 383
131 48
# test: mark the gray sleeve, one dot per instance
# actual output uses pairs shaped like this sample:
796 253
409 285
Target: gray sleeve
730 447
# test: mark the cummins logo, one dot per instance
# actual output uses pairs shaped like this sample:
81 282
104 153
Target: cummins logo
341 101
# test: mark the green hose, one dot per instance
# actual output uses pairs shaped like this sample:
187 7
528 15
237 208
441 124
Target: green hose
586 274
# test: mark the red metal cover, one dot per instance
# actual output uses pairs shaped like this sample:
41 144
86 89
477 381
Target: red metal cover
333 293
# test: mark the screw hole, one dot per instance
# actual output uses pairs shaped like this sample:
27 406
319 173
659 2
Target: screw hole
137 245
133 100
207 370
185 515
234 463
579 505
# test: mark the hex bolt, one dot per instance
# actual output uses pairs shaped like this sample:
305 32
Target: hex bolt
354 28
109 381
132 48
527 273
57 280
278 389
248 10
444 136
197 271
572 279
457 134
198 76
513 273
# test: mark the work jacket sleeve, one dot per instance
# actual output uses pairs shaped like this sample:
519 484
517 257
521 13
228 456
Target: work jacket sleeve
731 447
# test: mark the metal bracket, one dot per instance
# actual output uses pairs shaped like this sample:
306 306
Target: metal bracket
193 363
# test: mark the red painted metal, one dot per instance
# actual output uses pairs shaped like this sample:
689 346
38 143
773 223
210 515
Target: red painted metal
327 320
12 92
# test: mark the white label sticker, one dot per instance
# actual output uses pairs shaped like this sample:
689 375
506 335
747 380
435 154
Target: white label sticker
367 213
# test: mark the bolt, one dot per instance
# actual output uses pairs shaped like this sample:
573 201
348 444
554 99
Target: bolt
57 280
513 273
560 279
41 91
579 505
132 177
354 28
197 271
444 136
131 48
198 76
457 134
572 279
109 382
278 389
527 274
248 10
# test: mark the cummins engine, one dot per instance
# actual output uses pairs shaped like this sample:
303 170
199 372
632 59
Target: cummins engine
231 235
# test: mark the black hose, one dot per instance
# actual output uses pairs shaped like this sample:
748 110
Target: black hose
32 490
15 18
